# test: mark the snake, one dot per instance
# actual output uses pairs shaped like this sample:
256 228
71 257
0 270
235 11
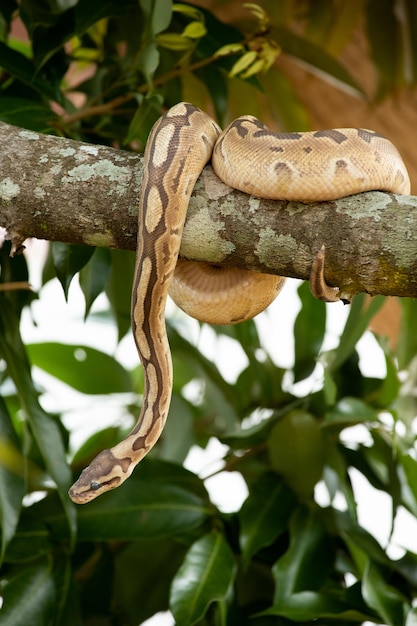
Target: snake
295 166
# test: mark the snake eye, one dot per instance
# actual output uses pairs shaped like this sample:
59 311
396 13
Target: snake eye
94 486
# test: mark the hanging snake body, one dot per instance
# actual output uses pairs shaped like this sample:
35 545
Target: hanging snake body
314 166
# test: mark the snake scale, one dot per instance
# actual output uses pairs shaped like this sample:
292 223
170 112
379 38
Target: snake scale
306 167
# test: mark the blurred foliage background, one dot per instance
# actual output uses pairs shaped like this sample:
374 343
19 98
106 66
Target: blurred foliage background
103 71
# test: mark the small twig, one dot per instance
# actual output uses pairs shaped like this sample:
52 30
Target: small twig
99 109
102 109
15 286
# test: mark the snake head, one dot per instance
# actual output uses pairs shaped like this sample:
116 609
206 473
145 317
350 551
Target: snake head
104 473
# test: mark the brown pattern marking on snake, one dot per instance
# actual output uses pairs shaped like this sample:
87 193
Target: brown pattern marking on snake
333 134
282 168
241 127
368 135
341 165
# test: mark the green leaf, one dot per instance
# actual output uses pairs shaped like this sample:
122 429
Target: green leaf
305 565
389 389
348 412
51 27
316 58
204 577
385 45
67 610
408 479
119 288
48 437
176 442
264 514
7 12
260 385
360 543
94 276
309 328
336 465
99 440
379 595
28 597
68 260
296 451
86 369
191 12
31 542
218 394
154 563
154 502
26 113
329 388
407 341
410 37
360 315
49 40
158 16
194 30
306 606
147 113
243 62
174 41
89 12
21 68
12 479
45 429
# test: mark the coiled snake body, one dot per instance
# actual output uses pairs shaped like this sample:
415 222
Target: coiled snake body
314 166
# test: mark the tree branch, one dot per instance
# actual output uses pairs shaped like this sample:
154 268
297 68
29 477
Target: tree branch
63 190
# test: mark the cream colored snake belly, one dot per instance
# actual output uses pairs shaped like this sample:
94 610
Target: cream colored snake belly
314 166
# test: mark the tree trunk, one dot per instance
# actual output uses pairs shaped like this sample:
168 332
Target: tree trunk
63 190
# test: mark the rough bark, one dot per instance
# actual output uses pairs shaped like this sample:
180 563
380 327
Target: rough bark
62 190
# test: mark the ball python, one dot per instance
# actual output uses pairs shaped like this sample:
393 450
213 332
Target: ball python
306 167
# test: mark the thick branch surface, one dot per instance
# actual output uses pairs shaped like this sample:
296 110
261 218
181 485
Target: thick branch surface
63 190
